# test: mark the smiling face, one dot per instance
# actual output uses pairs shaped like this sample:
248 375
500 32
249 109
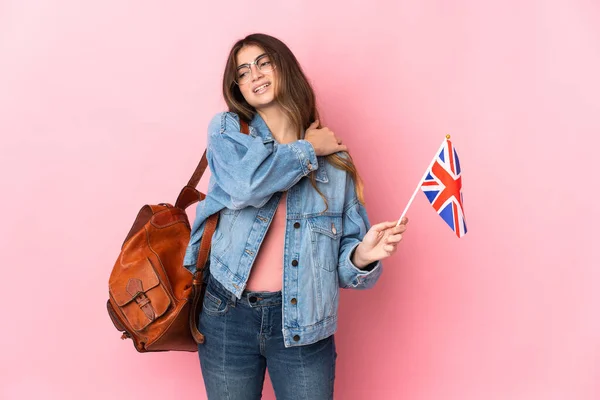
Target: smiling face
287 88
258 87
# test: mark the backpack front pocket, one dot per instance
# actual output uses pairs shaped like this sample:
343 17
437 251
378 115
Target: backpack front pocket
139 294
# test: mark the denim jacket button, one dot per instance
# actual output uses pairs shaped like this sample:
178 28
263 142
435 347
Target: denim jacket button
295 263
297 225
296 338
294 301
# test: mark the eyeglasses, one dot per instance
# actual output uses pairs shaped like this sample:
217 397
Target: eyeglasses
263 63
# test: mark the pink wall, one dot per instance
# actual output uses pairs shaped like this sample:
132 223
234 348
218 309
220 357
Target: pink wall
98 97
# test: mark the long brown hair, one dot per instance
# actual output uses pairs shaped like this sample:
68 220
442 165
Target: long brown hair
294 95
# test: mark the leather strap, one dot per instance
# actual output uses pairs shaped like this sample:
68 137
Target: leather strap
197 294
209 230
189 194
197 283
186 198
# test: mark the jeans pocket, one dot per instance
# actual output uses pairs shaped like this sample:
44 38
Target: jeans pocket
213 304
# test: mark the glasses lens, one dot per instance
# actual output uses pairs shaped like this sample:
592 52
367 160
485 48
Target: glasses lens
243 75
264 64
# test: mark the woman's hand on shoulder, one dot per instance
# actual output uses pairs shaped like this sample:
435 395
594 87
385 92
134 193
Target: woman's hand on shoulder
323 140
380 242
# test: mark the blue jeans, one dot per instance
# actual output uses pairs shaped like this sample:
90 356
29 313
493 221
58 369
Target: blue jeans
244 337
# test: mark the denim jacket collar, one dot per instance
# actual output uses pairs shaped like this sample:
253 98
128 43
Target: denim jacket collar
258 127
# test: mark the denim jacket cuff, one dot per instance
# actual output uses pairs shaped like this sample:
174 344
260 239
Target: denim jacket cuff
366 277
306 155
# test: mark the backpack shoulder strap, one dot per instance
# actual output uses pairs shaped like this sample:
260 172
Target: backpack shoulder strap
209 229
210 224
189 195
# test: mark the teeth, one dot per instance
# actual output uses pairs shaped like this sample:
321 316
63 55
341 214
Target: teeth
261 87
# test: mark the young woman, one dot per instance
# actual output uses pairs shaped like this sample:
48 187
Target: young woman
284 245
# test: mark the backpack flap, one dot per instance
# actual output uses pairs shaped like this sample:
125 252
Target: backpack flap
139 294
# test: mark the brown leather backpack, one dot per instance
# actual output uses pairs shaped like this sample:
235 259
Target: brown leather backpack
153 299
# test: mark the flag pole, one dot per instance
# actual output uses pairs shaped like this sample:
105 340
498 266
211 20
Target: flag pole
422 179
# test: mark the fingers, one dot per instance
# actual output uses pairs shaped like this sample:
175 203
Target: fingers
342 147
393 239
388 248
398 229
392 234
314 125
394 229
403 222
383 226
391 244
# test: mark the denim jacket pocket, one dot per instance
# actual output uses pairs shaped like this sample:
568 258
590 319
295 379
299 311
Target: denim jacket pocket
326 233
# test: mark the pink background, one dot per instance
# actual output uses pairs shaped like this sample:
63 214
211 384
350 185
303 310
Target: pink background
104 107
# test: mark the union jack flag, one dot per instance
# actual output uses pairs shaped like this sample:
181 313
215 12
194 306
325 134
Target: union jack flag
442 185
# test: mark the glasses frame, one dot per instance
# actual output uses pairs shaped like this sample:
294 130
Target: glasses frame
250 64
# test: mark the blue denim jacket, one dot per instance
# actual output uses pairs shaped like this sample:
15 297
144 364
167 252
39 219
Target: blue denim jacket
248 175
